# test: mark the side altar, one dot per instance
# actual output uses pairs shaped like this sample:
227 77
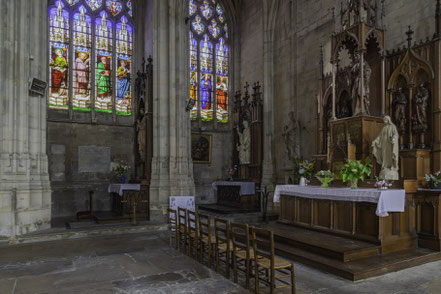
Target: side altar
376 216
385 105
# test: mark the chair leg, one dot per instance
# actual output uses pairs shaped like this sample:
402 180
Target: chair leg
209 254
256 278
217 259
293 280
227 264
247 269
235 268
273 281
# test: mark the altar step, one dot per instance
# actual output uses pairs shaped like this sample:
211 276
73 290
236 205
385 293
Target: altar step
332 246
296 244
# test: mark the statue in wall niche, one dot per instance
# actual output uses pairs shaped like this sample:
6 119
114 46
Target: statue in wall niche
385 149
244 144
399 105
420 106
370 7
290 135
141 133
356 73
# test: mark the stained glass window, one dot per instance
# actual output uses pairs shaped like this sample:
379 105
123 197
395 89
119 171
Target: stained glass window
81 72
124 64
100 51
59 56
103 58
114 6
209 53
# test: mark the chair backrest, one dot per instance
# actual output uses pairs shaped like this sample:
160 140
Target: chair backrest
222 231
172 218
182 219
263 244
192 221
204 226
240 236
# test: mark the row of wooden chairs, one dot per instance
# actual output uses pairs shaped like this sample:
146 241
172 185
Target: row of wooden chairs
231 245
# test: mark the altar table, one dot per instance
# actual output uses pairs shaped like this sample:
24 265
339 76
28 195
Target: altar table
383 217
240 195
119 188
387 200
246 188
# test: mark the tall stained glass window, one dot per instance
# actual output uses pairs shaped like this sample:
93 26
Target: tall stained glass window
209 53
91 44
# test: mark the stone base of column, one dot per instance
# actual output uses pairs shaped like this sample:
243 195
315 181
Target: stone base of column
24 211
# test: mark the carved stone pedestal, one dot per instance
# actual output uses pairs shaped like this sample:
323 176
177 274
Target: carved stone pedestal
414 164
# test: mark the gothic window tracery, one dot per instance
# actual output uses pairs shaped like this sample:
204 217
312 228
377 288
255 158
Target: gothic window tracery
90 55
209 56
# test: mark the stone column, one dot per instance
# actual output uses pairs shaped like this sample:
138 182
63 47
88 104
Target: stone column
172 167
25 193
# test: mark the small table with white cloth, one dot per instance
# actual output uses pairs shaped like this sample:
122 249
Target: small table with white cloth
368 214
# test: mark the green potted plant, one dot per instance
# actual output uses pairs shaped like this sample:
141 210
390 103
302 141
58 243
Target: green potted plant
355 170
325 177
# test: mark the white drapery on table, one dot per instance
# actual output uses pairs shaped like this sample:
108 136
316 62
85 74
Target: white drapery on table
186 202
119 188
392 200
246 188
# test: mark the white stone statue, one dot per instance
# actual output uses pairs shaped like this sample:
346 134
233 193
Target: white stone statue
244 144
385 149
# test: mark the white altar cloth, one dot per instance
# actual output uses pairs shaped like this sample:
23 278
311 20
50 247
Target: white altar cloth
119 188
392 200
246 188
186 202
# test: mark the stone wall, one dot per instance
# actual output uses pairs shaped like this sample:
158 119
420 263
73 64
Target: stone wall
251 43
205 174
80 160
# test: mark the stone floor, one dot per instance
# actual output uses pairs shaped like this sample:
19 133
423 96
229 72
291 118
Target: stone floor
143 263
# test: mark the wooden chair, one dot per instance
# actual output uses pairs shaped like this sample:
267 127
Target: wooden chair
207 241
242 253
265 261
173 226
193 233
224 246
182 228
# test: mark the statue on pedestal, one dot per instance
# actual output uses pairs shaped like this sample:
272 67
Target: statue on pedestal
141 133
399 108
385 149
244 144
420 105
357 98
290 135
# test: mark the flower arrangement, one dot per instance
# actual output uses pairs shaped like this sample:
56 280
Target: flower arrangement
325 177
303 168
231 171
354 170
121 169
434 180
382 184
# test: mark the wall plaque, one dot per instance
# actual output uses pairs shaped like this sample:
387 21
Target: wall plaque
93 159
